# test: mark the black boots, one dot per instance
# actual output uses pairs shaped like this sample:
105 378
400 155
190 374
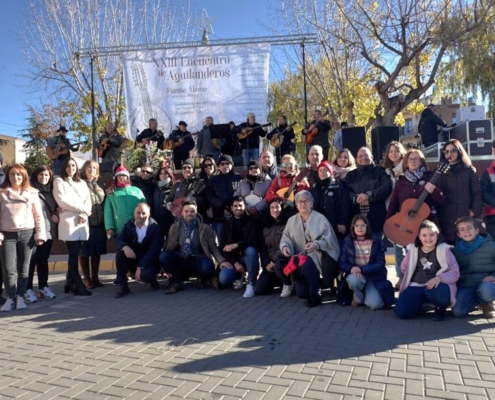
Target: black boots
77 287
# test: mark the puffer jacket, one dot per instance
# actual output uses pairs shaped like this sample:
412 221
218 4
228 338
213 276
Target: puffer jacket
119 207
373 181
462 191
258 188
97 194
478 265
375 271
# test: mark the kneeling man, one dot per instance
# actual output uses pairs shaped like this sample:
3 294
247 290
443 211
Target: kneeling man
138 246
190 250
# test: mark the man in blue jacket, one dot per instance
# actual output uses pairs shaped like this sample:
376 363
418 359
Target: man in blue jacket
138 246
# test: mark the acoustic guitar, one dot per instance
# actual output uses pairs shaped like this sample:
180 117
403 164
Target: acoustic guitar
313 131
288 192
59 149
403 227
247 131
170 144
145 141
176 208
278 137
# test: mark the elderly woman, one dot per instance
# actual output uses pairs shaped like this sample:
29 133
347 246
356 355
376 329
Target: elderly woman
289 170
307 232
253 188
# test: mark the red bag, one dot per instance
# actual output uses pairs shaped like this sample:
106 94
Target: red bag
294 263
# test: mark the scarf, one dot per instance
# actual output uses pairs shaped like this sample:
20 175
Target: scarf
468 247
188 232
43 189
163 183
414 176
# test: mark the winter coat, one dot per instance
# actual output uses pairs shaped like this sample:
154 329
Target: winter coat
321 138
247 235
272 234
488 195
428 126
119 207
272 172
253 140
258 188
220 191
183 188
21 211
206 239
318 230
448 272
405 189
97 194
114 149
478 265
147 186
332 200
375 271
183 150
75 201
394 175
373 181
462 191
205 146
148 250
159 212
49 208
289 135
281 182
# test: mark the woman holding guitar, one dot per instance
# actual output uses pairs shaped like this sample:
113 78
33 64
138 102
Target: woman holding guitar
411 185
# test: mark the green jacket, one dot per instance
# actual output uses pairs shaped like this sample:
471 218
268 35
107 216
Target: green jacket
479 264
119 207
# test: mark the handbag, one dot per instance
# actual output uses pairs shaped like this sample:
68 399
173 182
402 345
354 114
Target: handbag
344 293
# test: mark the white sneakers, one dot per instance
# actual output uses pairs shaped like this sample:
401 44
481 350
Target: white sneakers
249 291
8 305
30 297
20 304
239 284
286 291
47 293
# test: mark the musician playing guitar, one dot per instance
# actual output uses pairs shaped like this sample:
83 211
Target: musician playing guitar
151 134
59 141
251 145
287 178
110 145
183 144
205 144
288 135
321 127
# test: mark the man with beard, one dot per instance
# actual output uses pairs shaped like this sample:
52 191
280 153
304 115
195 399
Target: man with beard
190 250
220 191
368 187
288 135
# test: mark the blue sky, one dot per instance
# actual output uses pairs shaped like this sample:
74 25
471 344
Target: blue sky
235 18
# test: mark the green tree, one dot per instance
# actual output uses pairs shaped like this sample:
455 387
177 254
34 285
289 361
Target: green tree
35 134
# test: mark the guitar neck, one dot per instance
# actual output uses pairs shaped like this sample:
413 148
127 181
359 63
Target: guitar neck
422 197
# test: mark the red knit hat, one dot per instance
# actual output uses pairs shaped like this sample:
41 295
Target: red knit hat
122 171
327 165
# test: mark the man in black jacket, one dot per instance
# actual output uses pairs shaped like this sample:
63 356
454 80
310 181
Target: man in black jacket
238 244
220 191
323 125
183 144
145 182
151 134
369 186
138 246
287 133
428 125
251 145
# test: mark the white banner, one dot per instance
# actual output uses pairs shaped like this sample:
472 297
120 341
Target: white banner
225 82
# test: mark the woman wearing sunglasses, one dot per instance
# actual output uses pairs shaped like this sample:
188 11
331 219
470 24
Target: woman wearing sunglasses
461 188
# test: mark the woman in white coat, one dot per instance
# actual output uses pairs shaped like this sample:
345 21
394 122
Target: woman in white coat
73 198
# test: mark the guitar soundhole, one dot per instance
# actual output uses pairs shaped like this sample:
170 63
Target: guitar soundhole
412 214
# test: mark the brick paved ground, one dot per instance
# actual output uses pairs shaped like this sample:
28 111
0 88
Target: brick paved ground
212 346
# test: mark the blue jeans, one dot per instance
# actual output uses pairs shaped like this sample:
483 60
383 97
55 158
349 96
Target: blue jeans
251 263
182 269
57 166
400 253
469 296
249 155
218 228
365 292
412 299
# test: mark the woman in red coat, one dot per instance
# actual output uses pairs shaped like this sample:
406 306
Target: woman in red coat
416 178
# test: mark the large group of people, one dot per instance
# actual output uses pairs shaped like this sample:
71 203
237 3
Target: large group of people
293 228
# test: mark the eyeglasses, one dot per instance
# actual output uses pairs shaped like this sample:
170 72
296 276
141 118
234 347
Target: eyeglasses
360 226
208 165
186 167
146 172
414 159
453 151
302 202
224 163
288 165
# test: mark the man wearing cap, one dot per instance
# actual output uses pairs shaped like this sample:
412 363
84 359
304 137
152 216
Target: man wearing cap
151 134
61 140
220 191
183 144
253 189
186 186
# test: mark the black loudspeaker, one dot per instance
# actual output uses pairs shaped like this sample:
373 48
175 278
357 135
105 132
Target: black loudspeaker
107 169
381 136
354 138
